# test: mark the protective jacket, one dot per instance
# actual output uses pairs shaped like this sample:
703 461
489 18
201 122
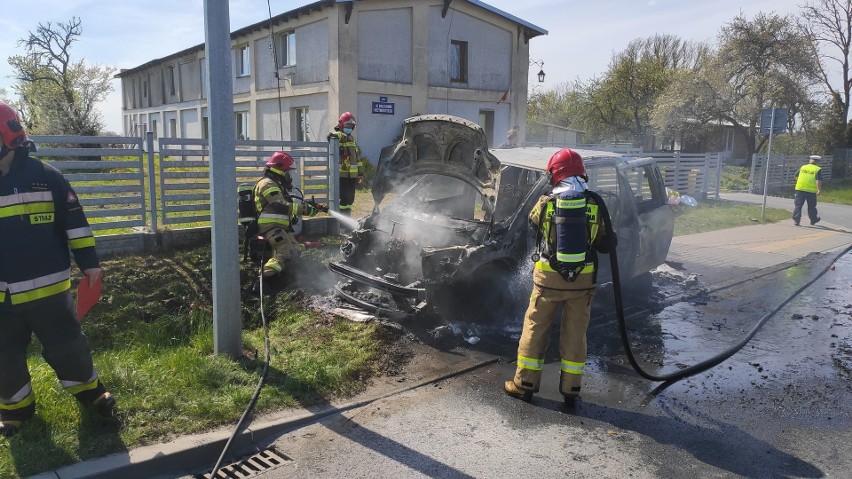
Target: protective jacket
807 178
40 217
350 155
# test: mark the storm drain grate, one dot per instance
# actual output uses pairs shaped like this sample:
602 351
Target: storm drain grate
251 466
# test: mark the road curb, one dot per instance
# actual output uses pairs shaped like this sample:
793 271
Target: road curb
165 460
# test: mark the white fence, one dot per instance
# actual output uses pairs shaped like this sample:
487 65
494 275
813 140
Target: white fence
695 174
113 175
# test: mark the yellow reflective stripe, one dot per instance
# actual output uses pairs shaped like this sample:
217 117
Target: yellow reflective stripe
278 220
570 204
43 292
268 191
29 399
82 243
74 387
2 296
345 207
274 264
26 209
571 258
347 143
545 266
530 363
572 367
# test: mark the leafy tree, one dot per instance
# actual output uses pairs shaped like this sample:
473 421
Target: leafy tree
623 99
58 94
564 105
759 63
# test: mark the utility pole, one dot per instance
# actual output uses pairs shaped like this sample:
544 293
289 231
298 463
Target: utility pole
766 176
223 180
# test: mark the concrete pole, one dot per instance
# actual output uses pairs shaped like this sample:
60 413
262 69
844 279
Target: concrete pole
766 176
223 180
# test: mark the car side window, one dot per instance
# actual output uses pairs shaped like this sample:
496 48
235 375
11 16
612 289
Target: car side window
603 180
645 194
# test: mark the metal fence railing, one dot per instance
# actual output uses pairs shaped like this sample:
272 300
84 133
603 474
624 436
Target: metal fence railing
124 182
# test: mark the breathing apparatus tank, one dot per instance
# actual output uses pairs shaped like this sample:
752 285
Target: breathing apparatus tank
572 236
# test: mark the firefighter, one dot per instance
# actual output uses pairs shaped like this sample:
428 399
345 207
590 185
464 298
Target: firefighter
42 224
278 210
570 233
351 174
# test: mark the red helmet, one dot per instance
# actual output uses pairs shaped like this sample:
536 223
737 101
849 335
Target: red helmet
10 128
565 163
346 119
281 161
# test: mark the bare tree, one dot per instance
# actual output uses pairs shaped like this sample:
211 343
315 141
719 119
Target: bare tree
829 24
59 94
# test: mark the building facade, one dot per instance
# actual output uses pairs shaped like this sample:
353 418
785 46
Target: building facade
382 60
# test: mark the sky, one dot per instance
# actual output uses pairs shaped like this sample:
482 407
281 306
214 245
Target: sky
582 35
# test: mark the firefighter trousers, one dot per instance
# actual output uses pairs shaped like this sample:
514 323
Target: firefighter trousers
550 292
63 346
284 247
347 194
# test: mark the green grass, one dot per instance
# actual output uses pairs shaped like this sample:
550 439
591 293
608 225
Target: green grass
153 343
711 215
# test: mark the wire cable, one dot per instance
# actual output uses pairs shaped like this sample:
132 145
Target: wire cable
277 76
262 380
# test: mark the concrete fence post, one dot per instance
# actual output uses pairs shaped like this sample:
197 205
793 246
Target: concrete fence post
152 177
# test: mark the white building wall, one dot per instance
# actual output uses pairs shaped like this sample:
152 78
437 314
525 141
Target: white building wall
377 130
489 51
384 45
268 118
469 110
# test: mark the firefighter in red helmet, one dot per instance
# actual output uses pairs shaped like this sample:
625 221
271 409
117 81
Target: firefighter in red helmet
42 225
279 206
570 233
351 174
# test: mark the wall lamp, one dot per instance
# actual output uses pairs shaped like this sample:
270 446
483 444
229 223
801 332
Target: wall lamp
540 64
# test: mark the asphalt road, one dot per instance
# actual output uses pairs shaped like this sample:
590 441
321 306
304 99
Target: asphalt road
778 408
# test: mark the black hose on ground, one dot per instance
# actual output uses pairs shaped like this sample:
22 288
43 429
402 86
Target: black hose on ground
260 383
706 364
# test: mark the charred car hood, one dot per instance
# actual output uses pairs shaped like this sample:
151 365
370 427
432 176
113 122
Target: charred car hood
439 144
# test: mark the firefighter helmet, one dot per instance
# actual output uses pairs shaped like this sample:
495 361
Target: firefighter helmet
565 163
10 128
281 161
346 119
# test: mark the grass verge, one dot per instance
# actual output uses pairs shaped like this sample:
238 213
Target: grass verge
712 215
153 343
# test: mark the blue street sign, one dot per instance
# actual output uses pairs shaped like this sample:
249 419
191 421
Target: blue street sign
383 108
778 121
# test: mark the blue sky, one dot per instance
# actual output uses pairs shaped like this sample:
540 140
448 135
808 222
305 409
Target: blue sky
582 34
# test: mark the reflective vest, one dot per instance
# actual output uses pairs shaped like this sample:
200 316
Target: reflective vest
41 225
350 155
807 179
587 230
275 207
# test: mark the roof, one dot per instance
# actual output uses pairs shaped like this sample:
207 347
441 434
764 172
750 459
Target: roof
531 30
536 158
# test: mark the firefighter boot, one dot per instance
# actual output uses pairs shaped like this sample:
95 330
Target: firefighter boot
105 404
512 389
10 428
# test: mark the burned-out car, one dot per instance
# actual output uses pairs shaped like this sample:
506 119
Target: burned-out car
450 231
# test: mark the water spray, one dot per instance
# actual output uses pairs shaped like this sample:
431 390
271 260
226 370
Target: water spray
344 220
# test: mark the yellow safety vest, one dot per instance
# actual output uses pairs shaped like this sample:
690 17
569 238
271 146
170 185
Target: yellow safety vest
807 180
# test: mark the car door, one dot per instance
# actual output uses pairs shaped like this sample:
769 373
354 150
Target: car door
654 221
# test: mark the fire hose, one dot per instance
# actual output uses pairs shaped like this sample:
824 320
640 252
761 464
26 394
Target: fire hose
710 362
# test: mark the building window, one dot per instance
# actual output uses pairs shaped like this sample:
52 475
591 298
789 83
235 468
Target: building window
458 61
172 128
241 122
170 78
300 124
205 128
486 121
288 49
144 88
243 61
